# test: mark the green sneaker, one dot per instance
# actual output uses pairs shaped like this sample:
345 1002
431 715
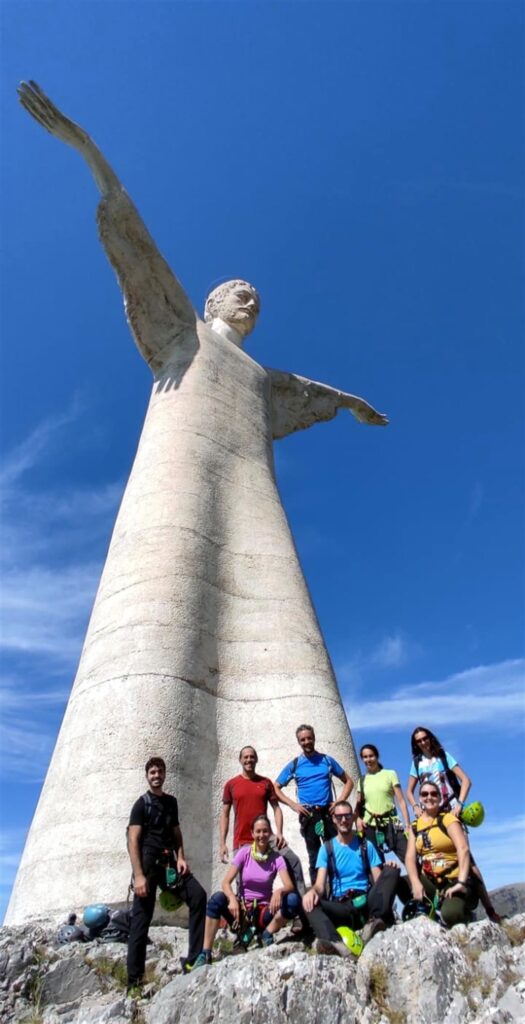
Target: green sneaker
134 991
203 960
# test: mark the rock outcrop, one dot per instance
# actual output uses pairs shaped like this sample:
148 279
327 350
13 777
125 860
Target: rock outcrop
415 973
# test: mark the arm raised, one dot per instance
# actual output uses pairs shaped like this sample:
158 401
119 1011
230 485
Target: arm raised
298 403
157 307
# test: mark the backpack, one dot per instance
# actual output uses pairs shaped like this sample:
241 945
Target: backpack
152 816
117 928
451 777
332 866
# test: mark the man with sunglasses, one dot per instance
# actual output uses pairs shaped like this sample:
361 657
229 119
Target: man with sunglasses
361 890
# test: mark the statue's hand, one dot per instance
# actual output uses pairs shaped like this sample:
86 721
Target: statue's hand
44 111
364 412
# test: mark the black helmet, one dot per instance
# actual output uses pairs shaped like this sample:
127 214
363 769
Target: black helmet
416 908
69 933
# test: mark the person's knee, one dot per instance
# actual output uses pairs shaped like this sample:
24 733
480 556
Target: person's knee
217 904
454 911
291 905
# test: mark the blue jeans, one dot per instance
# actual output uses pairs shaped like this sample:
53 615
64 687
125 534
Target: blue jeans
218 907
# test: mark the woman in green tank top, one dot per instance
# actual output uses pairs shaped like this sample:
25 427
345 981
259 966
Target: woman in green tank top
379 791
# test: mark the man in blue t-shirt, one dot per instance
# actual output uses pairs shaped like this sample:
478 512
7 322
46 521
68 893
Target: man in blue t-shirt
362 890
313 773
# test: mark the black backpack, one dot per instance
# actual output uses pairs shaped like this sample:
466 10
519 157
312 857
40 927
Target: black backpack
152 815
117 928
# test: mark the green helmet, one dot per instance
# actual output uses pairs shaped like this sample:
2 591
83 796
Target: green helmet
473 814
170 900
351 939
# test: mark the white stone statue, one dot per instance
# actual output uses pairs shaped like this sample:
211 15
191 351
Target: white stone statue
203 637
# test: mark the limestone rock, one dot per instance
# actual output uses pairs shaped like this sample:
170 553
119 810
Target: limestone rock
415 973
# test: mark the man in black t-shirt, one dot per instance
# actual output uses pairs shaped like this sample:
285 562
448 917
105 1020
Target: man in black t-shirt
153 832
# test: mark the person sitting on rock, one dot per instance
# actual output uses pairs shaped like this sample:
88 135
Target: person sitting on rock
438 860
361 890
258 904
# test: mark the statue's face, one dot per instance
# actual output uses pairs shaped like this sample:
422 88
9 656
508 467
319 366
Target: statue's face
235 302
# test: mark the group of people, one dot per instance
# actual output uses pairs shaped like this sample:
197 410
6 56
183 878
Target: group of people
352 884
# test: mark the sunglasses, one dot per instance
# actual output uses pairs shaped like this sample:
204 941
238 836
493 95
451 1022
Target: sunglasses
420 739
431 794
342 817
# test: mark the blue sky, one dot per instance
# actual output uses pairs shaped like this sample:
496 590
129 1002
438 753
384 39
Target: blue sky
362 164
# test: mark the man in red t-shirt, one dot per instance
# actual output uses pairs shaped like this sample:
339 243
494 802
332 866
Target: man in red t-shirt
250 795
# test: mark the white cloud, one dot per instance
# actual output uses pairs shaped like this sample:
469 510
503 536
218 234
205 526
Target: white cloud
476 498
486 694
393 650
24 455
46 593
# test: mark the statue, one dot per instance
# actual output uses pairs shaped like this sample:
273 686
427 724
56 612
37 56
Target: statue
203 636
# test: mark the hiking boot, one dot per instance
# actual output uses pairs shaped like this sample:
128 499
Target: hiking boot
267 938
329 948
203 960
372 927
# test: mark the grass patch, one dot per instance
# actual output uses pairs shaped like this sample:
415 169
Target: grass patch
33 994
378 991
110 970
514 932
223 947
166 947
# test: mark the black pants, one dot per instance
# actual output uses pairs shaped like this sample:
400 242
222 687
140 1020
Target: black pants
193 895
312 839
394 837
397 843
328 915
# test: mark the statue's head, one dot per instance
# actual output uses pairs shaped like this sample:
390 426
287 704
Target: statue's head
235 302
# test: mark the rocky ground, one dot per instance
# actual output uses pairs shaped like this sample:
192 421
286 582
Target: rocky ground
415 973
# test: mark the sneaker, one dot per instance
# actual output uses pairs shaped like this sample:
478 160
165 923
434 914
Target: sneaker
267 938
203 960
134 991
329 948
372 927
493 915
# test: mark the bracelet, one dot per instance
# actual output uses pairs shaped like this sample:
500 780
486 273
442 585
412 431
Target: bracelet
461 804
464 884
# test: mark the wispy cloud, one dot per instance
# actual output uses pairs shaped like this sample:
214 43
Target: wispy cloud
476 498
24 456
393 650
486 694
50 543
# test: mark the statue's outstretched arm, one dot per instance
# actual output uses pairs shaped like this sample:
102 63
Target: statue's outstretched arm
157 306
298 403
